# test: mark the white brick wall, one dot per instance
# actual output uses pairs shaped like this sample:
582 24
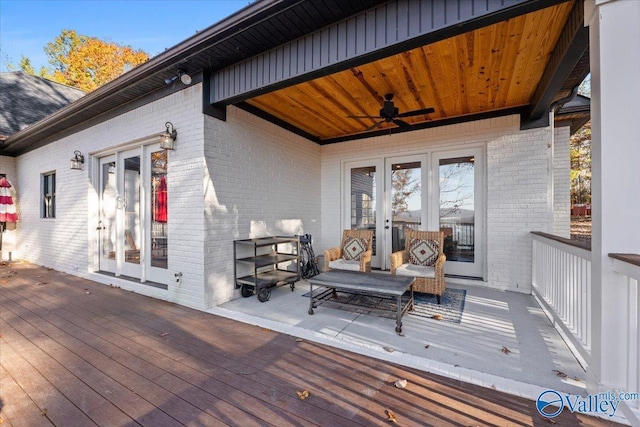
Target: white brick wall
517 203
247 178
516 194
63 243
259 180
562 183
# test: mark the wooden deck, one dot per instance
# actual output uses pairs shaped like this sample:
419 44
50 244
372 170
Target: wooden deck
76 353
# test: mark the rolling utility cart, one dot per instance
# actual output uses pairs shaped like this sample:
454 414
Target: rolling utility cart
263 263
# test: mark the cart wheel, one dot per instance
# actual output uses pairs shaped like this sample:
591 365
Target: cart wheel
246 291
310 311
293 286
264 295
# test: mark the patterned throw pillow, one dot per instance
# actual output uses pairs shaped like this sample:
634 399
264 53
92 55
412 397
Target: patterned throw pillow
423 252
353 248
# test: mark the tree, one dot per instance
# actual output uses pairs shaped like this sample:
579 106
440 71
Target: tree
88 62
84 62
580 154
404 186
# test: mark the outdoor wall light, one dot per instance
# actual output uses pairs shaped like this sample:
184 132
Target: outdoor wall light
180 74
168 137
77 161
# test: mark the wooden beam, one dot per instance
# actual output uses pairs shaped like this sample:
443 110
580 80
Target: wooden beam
571 46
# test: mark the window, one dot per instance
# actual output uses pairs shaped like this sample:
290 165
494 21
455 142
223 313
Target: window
48 195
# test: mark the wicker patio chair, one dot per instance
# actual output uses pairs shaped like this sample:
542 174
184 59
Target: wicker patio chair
334 258
429 279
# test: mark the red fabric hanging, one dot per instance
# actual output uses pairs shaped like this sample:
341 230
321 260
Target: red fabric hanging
160 207
7 208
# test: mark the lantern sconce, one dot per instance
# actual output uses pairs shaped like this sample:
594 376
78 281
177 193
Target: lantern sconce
168 137
77 161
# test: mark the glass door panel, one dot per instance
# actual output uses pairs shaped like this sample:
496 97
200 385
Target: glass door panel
363 190
406 201
159 236
132 209
107 214
459 199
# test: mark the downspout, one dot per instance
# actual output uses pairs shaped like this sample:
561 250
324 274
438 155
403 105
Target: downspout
552 147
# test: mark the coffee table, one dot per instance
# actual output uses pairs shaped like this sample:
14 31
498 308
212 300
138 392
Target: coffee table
374 284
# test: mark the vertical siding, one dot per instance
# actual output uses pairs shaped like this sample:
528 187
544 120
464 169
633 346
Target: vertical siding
384 26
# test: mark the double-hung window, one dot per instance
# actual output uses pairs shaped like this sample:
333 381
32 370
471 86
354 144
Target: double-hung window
48 209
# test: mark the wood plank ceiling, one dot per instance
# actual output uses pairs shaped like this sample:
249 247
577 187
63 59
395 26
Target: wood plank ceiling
492 68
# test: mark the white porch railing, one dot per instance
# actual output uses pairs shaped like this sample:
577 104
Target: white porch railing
561 278
627 267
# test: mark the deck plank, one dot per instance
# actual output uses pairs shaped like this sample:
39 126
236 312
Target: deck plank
195 368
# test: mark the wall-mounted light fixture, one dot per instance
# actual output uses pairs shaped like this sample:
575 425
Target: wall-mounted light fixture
77 161
168 137
180 74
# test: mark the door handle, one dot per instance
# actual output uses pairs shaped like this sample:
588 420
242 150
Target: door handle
386 227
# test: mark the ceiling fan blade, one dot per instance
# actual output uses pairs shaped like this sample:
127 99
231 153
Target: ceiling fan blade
401 123
364 117
417 112
375 125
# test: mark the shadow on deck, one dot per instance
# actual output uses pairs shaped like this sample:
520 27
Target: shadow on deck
75 352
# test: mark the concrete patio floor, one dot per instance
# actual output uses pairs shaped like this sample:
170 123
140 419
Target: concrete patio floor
537 358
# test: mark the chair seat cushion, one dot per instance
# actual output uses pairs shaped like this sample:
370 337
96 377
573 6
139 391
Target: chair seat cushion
353 248
423 252
416 271
343 264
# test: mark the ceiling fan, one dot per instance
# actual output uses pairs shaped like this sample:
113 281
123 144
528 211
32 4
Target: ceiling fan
390 113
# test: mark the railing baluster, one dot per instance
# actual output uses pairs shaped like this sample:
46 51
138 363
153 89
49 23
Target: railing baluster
563 281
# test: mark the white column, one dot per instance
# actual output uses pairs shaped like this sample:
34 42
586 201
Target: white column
615 114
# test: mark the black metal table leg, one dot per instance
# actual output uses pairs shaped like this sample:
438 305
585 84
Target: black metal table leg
310 298
399 314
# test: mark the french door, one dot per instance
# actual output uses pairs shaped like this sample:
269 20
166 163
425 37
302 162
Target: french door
434 191
133 214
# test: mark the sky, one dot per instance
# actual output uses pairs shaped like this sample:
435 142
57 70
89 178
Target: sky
26 26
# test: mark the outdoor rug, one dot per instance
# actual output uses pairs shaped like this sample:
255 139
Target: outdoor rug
426 305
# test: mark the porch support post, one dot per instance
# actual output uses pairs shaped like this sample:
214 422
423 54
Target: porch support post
615 91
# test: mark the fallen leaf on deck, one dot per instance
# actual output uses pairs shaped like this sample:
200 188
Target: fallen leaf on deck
302 394
164 334
400 383
266 329
391 417
560 373
437 316
576 379
43 412
88 293
505 350
389 349
298 339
